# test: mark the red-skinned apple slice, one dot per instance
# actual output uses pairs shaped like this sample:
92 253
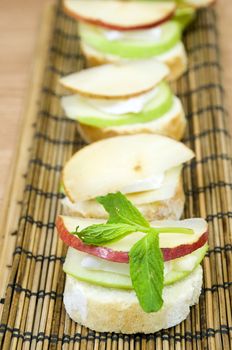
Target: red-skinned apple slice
179 244
120 15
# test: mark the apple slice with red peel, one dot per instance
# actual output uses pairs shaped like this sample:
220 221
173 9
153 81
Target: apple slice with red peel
117 81
66 224
120 15
173 245
199 3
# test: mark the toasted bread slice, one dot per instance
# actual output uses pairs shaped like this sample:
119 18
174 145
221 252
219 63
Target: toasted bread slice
176 59
172 124
114 310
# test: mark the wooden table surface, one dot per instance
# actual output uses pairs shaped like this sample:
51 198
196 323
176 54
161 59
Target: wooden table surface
19 25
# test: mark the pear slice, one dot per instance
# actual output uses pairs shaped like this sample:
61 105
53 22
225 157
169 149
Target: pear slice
114 81
111 164
120 15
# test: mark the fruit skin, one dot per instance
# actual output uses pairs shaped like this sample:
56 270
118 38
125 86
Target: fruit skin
118 256
128 48
114 26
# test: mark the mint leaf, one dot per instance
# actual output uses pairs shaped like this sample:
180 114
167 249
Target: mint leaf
121 210
147 272
101 234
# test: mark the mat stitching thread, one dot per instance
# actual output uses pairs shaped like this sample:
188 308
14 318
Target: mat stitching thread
218 215
206 159
215 287
48 166
55 141
49 91
56 118
38 257
194 162
219 250
38 223
209 108
40 192
39 294
190 192
208 187
188 336
206 133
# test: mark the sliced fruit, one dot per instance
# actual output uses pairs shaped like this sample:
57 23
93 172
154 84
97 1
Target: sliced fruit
199 3
78 108
111 164
120 15
117 275
155 42
184 15
173 245
166 190
116 81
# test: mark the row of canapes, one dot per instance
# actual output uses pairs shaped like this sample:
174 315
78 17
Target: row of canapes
127 106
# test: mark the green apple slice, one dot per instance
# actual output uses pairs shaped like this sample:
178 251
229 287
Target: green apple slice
116 275
77 107
169 35
184 15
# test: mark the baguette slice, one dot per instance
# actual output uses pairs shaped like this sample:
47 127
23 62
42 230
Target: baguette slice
175 59
172 124
113 310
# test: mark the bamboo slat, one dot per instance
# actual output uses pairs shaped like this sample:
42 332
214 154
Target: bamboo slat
33 315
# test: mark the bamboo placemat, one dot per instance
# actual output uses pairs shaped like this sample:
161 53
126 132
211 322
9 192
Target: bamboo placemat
32 312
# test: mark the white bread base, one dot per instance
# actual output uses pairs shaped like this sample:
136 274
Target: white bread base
176 59
172 124
113 310
169 209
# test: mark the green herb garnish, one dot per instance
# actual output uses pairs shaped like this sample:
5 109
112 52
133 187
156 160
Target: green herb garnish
147 272
145 257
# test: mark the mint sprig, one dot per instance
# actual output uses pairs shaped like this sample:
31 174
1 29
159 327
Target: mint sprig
145 257
121 210
101 234
147 272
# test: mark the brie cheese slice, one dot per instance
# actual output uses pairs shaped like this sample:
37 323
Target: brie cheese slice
117 106
147 34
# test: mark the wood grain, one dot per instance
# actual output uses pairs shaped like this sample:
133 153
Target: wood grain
19 28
